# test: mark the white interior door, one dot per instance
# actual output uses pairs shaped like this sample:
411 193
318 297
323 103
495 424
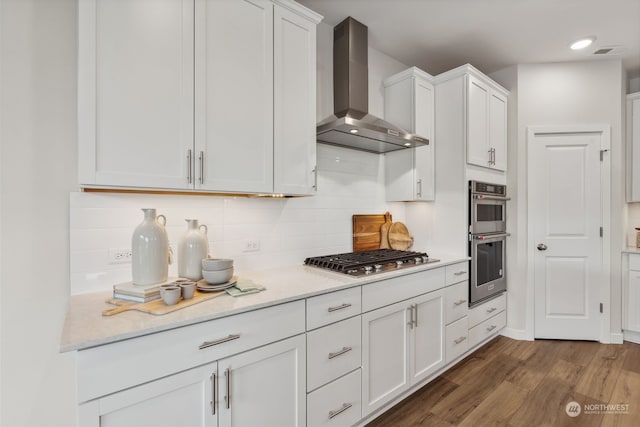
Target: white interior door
565 219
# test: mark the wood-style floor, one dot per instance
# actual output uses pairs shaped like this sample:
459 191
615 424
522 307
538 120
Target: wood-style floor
529 383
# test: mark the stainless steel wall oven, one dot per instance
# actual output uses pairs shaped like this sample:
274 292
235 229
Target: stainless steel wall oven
487 240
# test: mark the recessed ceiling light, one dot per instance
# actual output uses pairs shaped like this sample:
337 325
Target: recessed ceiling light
354 131
582 43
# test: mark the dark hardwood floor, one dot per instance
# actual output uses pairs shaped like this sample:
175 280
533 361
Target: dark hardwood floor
529 383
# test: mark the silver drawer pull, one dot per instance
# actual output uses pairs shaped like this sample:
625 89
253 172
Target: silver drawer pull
340 307
491 328
459 273
344 407
460 301
340 353
220 341
459 340
491 310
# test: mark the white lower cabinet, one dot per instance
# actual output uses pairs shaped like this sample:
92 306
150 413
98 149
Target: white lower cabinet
337 404
265 386
631 291
402 344
487 328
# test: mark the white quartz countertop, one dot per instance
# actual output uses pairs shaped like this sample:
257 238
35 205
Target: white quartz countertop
631 250
86 327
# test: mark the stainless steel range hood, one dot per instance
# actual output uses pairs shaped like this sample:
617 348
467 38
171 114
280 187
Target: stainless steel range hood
351 125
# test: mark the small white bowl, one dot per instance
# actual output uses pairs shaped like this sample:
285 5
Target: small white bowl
214 264
215 277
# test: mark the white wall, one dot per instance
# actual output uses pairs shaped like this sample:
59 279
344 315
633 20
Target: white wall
560 94
634 85
37 172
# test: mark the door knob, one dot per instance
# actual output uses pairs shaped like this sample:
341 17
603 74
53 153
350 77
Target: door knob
542 247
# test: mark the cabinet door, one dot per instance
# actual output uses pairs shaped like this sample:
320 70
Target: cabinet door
135 92
294 63
426 350
498 130
477 121
184 399
385 334
234 95
265 386
633 147
633 302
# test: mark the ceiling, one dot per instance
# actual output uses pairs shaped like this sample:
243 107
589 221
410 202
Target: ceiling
438 35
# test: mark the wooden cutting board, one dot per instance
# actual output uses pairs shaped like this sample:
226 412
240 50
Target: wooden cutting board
157 307
399 237
384 231
366 231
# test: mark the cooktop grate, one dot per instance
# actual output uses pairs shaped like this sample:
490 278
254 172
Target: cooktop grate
351 261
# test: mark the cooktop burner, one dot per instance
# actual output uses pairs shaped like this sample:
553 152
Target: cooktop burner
370 262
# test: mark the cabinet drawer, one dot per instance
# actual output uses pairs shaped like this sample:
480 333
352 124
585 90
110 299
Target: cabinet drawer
457 273
456 302
337 404
634 262
333 351
387 292
487 328
332 307
112 367
482 312
456 335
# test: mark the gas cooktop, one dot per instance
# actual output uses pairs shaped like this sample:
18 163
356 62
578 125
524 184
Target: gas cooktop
370 262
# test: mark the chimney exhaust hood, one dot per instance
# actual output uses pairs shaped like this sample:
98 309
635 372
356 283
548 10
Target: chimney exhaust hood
351 125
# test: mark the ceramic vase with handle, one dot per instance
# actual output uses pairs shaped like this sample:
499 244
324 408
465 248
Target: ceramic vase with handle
150 250
193 247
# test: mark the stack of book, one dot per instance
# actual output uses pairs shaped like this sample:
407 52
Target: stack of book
136 293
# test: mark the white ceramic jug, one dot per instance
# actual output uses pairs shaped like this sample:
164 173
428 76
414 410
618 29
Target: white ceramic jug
150 250
193 247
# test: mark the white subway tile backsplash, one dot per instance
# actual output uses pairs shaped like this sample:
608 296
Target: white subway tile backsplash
289 230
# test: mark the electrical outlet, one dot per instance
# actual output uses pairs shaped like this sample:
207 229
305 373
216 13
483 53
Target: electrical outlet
251 245
119 256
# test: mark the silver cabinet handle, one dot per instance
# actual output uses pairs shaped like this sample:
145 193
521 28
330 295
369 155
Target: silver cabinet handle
419 188
459 340
460 301
460 273
227 374
315 178
340 353
489 151
491 328
201 177
491 310
339 307
214 393
220 341
410 316
415 309
189 167
343 408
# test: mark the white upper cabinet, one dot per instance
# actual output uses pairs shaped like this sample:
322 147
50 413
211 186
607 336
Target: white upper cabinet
409 104
234 96
294 64
633 147
206 95
135 92
486 116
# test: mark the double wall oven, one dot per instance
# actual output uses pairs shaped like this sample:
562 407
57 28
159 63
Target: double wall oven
487 240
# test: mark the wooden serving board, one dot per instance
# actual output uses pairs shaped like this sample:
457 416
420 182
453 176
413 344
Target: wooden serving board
366 231
399 237
158 307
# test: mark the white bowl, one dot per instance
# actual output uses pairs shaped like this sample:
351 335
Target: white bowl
215 277
214 264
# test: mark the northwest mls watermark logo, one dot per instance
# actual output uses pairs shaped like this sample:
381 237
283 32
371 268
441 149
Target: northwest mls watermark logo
573 409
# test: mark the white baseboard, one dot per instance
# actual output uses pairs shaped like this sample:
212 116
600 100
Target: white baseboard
516 334
616 338
632 336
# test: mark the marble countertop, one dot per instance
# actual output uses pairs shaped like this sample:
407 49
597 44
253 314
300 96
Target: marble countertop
631 250
85 326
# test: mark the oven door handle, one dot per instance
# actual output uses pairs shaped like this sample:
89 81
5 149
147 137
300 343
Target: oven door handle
487 197
490 237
